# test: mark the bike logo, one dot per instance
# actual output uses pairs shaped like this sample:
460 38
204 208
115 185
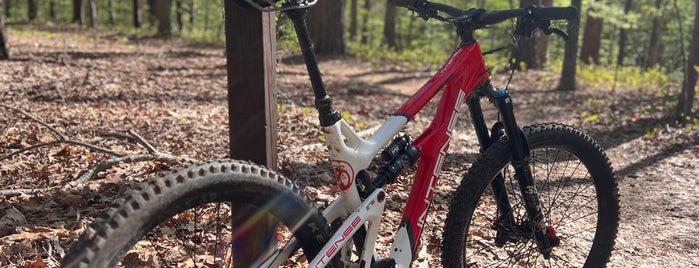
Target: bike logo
343 174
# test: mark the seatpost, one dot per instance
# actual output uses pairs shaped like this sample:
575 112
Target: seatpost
327 115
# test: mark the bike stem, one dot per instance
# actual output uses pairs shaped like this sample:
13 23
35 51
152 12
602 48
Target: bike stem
327 115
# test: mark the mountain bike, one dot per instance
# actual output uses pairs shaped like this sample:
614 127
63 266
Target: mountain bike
540 196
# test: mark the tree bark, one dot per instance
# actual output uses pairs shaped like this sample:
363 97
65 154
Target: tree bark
78 15
162 12
179 15
623 36
110 13
137 18
91 8
389 25
52 10
655 46
4 49
365 23
192 11
542 42
32 9
8 9
686 98
326 26
532 50
354 17
567 82
592 39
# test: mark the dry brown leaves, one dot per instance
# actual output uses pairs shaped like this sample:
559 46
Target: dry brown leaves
86 84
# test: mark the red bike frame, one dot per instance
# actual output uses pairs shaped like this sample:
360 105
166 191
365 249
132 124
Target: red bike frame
463 71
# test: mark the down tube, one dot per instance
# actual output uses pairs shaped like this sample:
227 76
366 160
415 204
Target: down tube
434 143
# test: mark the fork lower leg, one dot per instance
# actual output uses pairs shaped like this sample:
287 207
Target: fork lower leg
523 172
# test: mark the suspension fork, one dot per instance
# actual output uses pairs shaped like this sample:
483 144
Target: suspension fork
505 215
519 148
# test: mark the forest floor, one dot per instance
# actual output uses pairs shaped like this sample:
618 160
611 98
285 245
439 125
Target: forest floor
96 87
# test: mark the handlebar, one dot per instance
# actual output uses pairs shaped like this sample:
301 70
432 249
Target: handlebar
493 17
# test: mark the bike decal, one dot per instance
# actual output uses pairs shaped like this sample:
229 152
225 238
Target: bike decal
344 174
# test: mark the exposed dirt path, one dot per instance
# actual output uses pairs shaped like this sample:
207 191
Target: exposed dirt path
174 95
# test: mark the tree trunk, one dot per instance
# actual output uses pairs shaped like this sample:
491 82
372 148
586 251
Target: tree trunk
137 14
326 26
162 12
4 49
179 12
52 10
8 8
592 39
192 11
91 8
542 42
623 36
365 22
110 13
389 25
77 12
570 58
152 11
206 18
686 98
32 9
354 10
532 50
655 46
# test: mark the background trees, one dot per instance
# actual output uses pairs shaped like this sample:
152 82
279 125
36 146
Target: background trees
620 35
4 51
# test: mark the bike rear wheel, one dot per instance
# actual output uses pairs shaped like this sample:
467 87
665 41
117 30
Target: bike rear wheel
579 198
211 215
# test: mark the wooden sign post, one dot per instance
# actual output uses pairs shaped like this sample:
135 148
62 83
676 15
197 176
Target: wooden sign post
252 108
252 102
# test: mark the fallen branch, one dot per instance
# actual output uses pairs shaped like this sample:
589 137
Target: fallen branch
60 138
15 192
117 158
107 163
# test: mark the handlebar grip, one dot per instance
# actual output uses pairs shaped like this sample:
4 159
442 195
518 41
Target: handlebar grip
452 11
495 17
539 13
555 13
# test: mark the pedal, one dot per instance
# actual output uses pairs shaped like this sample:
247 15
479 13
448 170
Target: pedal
384 263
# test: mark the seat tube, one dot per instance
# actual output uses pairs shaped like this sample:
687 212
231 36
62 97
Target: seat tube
327 115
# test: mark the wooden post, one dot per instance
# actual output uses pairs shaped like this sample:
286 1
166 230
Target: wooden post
252 103
252 108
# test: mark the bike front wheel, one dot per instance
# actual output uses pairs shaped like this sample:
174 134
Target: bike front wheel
207 215
579 199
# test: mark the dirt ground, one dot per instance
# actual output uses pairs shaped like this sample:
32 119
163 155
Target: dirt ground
92 86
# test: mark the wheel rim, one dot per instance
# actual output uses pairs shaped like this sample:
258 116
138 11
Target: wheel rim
569 202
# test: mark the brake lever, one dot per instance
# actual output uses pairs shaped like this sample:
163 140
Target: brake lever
422 12
558 32
545 26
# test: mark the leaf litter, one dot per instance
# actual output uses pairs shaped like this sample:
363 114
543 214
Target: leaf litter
174 95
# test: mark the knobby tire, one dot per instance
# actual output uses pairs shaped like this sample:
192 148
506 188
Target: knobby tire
579 197
161 206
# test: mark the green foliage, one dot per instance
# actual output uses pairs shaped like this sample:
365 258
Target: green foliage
420 43
630 76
